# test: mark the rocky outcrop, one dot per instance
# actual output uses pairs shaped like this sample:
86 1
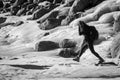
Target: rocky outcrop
116 24
115 47
98 11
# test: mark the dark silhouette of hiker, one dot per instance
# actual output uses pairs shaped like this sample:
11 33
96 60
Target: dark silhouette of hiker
91 34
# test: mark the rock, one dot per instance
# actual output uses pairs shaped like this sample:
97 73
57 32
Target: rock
50 23
46 45
6 5
63 12
67 53
45 4
68 2
95 2
115 46
103 8
57 1
14 10
21 12
39 13
50 1
29 13
116 24
1 58
17 6
18 23
107 18
31 6
78 5
67 43
19 2
1 4
51 14
2 19
12 1
70 18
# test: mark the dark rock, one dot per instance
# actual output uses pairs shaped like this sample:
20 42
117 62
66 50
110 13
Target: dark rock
67 43
51 14
46 34
67 53
12 1
1 4
2 19
6 5
50 23
14 10
39 13
29 13
14 58
1 58
17 6
18 23
78 6
95 2
46 45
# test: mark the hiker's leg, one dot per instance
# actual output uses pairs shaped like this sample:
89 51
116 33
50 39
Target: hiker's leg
81 51
91 47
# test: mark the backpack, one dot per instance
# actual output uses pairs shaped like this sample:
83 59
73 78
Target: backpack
93 33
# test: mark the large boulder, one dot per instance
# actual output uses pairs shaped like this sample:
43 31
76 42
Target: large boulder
67 53
46 45
51 14
70 47
67 43
50 23
78 5
39 13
